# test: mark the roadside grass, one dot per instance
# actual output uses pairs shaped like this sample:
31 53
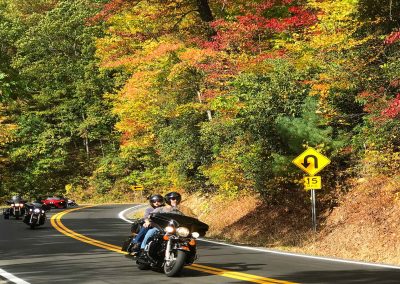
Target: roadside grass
137 214
363 227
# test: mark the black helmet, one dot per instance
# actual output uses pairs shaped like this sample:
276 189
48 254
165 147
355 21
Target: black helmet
173 195
154 198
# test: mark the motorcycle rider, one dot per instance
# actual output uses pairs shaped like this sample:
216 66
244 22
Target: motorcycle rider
14 199
156 201
173 199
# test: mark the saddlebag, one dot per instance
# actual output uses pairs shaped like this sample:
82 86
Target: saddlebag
136 225
126 243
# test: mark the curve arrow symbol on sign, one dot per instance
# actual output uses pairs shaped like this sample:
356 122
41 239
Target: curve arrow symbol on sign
303 161
306 163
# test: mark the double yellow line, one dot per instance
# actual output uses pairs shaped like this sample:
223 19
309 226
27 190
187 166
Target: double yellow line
59 226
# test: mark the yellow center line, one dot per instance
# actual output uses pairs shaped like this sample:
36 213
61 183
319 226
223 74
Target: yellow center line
59 226
56 223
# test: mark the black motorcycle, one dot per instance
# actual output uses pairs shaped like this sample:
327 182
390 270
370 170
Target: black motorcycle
16 209
71 203
174 246
35 214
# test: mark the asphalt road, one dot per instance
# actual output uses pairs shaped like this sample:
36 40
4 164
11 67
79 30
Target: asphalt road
45 255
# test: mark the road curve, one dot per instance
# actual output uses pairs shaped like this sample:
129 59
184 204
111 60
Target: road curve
87 251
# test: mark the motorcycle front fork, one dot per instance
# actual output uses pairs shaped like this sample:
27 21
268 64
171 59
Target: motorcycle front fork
168 250
15 211
37 221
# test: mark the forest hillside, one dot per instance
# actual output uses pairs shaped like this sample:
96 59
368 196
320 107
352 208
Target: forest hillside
214 99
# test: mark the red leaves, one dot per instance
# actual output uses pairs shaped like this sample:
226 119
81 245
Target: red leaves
108 10
380 107
249 32
393 109
392 38
218 72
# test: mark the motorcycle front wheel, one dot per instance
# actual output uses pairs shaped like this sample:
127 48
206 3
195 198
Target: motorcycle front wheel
174 265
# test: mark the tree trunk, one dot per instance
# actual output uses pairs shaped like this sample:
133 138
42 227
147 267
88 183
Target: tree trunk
201 101
205 11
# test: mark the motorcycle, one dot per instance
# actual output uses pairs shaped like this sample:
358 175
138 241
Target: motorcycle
35 215
71 203
174 246
16 209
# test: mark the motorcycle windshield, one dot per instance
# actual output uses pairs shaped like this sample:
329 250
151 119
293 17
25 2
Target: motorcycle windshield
15 200
193 224
34 205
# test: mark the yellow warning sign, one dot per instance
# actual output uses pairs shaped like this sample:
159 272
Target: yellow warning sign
137 187
311 161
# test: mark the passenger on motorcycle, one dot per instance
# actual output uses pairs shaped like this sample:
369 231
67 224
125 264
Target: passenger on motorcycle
172 199
156 201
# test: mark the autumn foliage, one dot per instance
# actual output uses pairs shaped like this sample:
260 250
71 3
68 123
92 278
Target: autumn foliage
214 96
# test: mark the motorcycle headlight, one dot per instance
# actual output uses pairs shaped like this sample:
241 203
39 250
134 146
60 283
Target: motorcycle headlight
36 210
42 211
16 204
195 235
21 205
30 210
183 232
169 229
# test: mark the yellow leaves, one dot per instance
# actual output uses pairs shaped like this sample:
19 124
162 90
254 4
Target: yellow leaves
336 25
6 129
381 161
321 89
194 55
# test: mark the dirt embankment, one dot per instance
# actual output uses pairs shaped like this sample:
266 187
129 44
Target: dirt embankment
364 226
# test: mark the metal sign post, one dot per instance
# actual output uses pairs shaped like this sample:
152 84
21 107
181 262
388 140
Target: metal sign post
313 211
137 188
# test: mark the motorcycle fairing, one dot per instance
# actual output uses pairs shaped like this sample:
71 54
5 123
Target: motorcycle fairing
193 224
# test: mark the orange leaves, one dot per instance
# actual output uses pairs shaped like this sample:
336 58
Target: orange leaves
194 56
147 55
135 105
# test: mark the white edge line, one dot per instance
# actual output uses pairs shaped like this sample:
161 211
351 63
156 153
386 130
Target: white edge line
121 215
12 278
306 256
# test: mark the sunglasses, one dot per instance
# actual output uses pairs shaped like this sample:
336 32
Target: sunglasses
173 198
155 201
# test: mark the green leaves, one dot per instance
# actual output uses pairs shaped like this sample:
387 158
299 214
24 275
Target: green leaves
64 124
195 95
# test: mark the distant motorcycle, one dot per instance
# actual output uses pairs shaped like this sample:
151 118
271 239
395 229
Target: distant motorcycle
16 209
35 214
174 246
71 203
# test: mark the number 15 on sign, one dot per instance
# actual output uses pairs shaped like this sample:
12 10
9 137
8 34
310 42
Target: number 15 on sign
313 182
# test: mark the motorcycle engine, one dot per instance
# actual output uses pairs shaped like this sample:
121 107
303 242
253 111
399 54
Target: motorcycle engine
156 249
